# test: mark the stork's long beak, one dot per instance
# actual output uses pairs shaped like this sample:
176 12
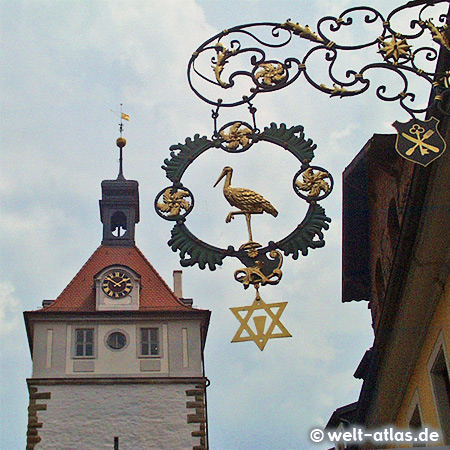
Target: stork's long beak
221 176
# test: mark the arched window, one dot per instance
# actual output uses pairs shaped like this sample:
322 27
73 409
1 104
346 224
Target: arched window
118 224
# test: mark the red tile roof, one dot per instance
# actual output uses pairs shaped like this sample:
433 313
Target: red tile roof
79 294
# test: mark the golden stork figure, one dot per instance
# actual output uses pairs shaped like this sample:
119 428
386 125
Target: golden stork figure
249 202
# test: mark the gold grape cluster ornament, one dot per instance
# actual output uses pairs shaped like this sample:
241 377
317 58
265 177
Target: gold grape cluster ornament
235 62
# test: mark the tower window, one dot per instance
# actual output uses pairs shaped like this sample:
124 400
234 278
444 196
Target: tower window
84 342
118 224
149 344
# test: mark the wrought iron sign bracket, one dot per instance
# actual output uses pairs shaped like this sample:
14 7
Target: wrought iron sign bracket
236 63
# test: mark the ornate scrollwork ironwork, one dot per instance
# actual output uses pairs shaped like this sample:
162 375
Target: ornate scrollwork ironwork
394 51
261 273
241 54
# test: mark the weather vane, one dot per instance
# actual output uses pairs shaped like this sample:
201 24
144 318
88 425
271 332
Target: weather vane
238 55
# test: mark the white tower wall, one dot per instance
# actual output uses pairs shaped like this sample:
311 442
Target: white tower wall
143 415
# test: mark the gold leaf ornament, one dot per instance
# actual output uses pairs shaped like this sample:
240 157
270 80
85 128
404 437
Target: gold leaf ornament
236 136
271 75
439 35
303 32
174 202
221 59
313 183
336 90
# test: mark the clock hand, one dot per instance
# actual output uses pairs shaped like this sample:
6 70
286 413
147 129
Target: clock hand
113 282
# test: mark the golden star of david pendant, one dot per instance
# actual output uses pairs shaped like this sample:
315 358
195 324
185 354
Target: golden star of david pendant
262 335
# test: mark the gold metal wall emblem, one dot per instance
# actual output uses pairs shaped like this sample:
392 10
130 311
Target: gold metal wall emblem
253 72
419 141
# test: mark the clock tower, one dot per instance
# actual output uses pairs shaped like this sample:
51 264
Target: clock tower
117 356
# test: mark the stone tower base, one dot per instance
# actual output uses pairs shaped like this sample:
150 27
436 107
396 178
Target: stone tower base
87 414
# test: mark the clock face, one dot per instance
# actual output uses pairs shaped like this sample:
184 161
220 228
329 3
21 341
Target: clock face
117 284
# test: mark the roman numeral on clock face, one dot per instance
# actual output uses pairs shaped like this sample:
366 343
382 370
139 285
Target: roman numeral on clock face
117 284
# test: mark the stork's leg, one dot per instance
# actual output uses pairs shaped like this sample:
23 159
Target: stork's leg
248 217
232 214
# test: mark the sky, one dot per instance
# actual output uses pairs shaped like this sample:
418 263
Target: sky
64 66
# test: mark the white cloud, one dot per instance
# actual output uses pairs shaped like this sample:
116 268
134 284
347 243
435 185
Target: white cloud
10 314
